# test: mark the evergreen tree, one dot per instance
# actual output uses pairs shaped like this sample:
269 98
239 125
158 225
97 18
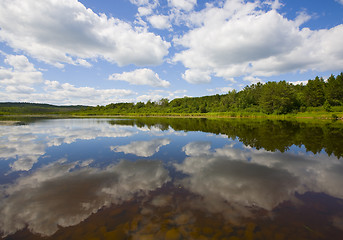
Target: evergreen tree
278 97
334 90
314 94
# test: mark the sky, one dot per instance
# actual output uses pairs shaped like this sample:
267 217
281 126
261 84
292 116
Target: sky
91 52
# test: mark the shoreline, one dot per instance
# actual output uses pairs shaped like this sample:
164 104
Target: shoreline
319 116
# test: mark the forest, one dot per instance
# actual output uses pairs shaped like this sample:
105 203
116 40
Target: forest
269 98
277 98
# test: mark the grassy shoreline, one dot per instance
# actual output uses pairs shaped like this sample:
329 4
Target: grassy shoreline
308 115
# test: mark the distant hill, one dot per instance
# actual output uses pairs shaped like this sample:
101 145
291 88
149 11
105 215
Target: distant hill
36 108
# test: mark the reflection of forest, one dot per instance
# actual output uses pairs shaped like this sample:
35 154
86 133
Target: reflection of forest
271 135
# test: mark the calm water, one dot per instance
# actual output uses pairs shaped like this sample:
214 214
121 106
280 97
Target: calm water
171 179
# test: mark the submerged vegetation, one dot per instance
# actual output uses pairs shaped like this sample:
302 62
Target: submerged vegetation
317 98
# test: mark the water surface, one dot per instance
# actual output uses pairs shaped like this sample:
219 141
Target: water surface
171 179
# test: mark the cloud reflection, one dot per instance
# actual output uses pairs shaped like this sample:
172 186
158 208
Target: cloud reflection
248 178
64 194
142 148
27 143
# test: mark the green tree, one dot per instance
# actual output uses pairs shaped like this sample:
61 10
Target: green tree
164 102
314 94
334 90
140 105
278 97
231 100
250 95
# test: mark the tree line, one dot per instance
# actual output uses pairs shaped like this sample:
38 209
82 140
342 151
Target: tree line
36 108
270 98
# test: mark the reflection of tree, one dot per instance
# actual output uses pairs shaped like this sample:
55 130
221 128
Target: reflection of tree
271 135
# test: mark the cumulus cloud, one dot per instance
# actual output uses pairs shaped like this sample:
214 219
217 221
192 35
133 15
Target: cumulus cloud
186 5
142 148
142 76
39 201
221 90
152 3
21 86
149 97
340 1
73 34
241 39
252 80
159 21
18 83
197 76
20 76
156 95
67 92
144 11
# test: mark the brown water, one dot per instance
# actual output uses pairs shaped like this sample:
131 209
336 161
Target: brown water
171 179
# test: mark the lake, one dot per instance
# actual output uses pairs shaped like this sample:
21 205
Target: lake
171 178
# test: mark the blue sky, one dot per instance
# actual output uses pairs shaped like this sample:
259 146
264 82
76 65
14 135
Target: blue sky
94 52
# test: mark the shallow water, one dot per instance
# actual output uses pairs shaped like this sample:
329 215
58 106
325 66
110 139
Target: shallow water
171 179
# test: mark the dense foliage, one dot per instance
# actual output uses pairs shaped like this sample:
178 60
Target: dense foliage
269 98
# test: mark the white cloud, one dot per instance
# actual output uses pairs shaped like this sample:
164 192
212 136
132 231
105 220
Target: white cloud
275 4
196 76
146 97
180 91
151 3
69 91
156 95
19 63
142 148
144 11
19 83
19 89
299 82
159 21
73 34
221 89
340 1
251 79
20 76
69 94
89 189
241 39
142 76
302 18
186 5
